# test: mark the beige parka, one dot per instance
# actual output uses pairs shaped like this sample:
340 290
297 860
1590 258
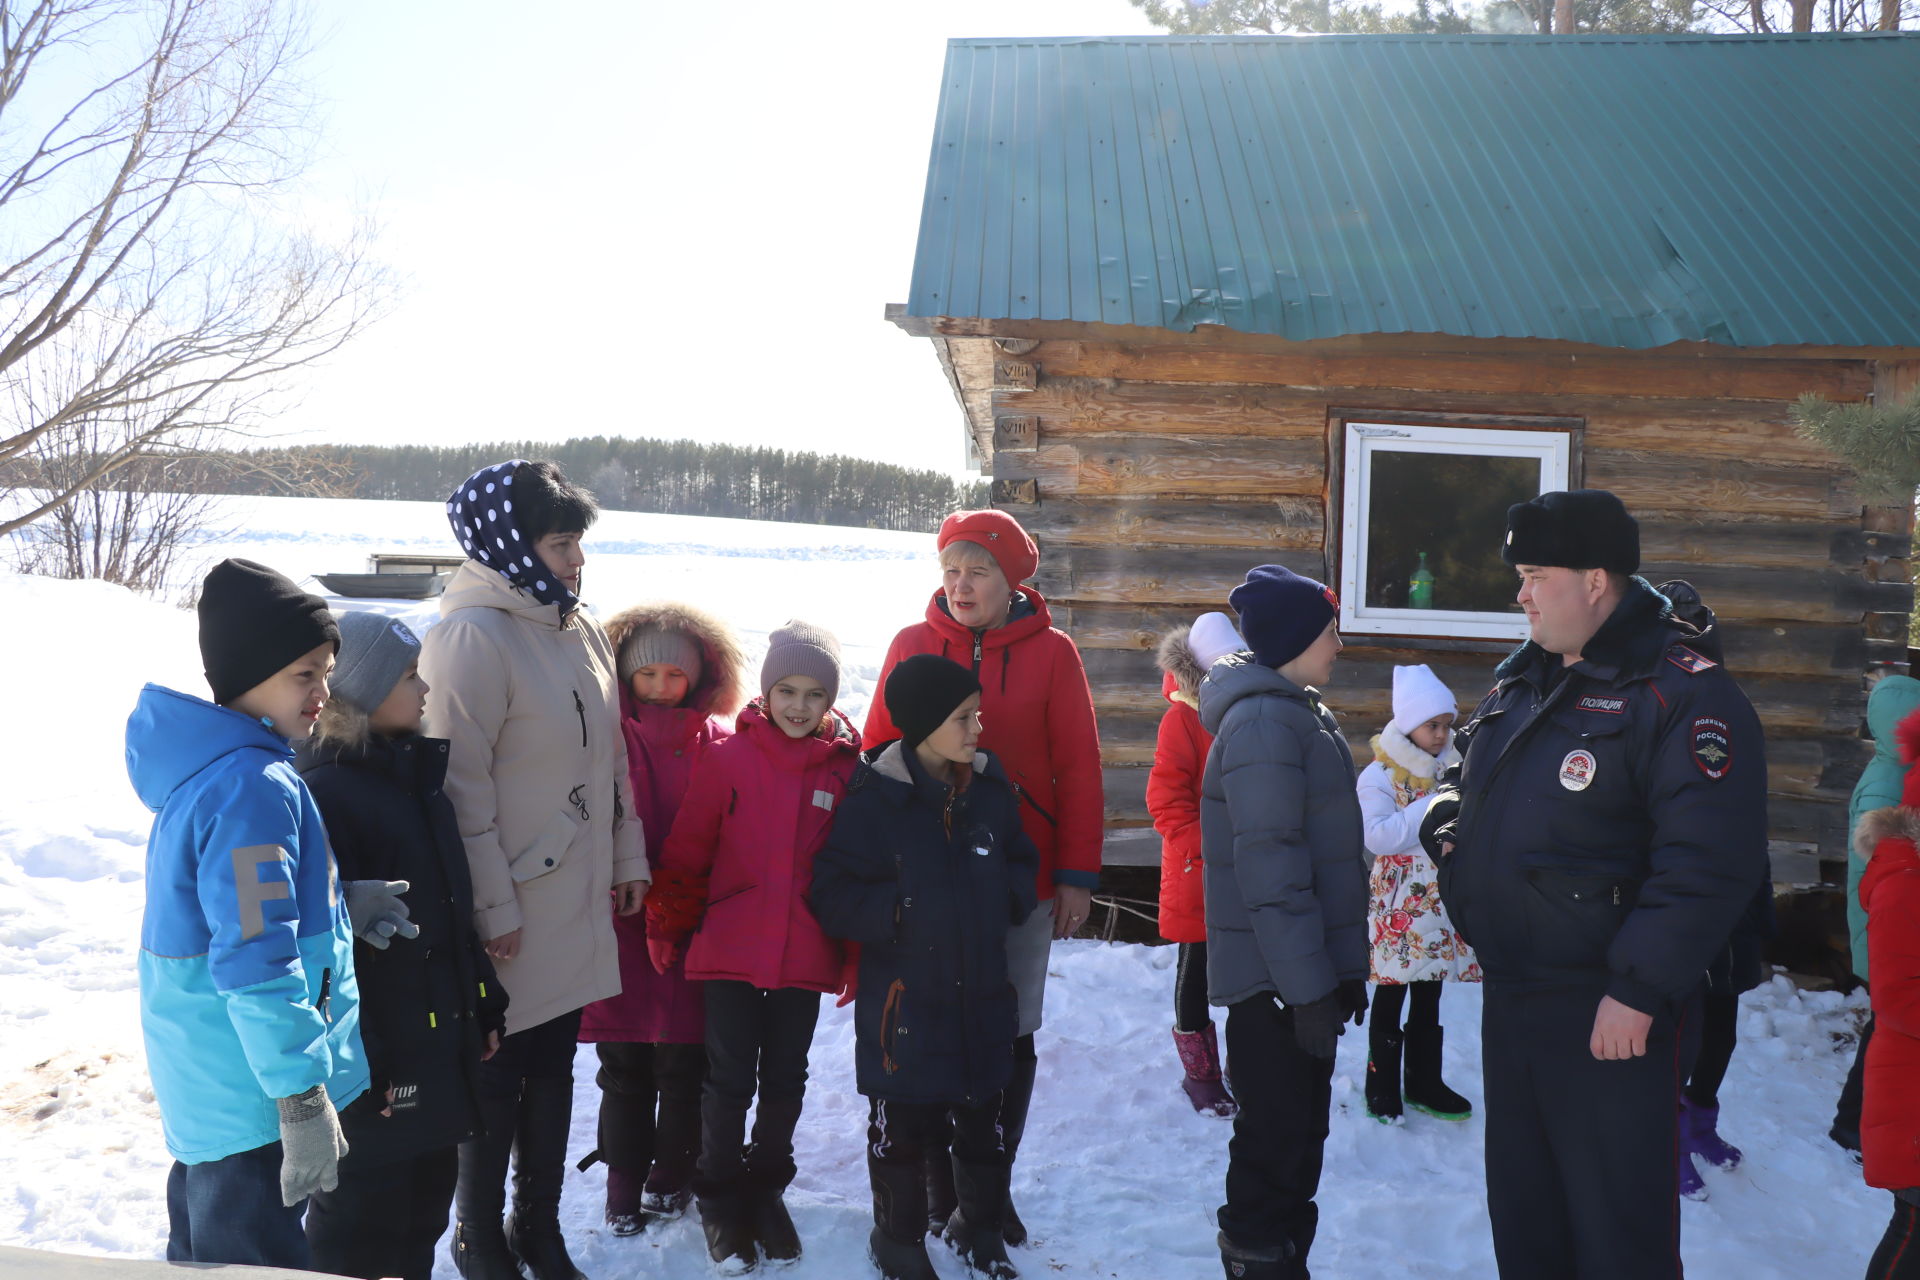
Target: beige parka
537 772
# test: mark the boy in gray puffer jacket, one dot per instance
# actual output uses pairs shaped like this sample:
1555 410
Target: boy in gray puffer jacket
1286 910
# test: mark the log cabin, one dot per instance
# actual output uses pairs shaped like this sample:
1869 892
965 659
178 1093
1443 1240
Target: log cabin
1336 302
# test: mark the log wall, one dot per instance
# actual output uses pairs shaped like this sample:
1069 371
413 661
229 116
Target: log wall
1154 476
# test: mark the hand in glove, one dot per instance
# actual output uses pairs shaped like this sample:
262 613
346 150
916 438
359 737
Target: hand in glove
1352 994
1318 1024
1437 827
663 952
311 1145
377 913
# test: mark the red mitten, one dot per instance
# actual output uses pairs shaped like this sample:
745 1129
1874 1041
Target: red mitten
675 904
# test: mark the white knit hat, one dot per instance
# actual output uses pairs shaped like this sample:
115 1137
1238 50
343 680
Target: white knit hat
1419 696
1212 637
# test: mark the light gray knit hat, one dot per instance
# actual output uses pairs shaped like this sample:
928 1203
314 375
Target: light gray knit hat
375 651
645 646
802 649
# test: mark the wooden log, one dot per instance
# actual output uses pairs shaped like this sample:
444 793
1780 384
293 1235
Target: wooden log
1802 648
1163 465
1596 374
1762 542
1126 794
1015 493
1821 822
1016 433
1676 482
1293 523
1805 595
1013 374
1199 576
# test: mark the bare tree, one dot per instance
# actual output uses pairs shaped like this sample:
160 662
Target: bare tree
154 285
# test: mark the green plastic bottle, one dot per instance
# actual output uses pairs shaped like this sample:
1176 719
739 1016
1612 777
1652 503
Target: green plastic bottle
1420 586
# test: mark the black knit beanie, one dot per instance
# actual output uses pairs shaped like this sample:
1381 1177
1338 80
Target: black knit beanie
923 691
1573 529
253 622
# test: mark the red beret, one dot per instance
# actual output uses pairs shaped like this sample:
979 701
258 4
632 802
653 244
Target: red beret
1002 537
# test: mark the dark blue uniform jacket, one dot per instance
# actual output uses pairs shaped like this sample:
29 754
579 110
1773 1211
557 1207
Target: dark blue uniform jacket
1612 819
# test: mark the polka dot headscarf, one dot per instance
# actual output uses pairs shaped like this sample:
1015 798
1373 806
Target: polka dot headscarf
481 513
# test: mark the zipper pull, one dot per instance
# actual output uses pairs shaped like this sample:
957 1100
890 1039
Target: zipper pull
1616 895
581 709
977 653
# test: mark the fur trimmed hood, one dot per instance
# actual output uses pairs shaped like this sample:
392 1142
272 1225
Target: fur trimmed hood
1178 663
723 664
1395 749
1897 822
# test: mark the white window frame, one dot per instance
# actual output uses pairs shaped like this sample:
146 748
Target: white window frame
1552 449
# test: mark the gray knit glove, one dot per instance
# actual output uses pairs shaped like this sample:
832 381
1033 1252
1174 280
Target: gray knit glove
311 1145
377 913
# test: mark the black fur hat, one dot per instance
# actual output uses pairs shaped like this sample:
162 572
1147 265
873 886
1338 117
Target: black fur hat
1576 529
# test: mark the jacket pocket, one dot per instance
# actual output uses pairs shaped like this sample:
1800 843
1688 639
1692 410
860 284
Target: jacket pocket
892 1025
1572 916
549 852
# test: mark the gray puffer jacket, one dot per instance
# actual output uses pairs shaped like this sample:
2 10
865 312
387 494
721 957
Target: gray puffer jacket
1280 831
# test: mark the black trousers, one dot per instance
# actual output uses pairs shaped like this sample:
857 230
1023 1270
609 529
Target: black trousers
757 1043
1719 1033
1280 1133
901 1132
1846 1116
650 1108
1898 1255
384 1221
1190 1011
1581 1170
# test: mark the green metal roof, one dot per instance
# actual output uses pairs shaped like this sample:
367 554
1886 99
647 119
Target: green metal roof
1624 191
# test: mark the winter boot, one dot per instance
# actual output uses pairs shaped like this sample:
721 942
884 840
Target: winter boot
539 1165
1699 1133
977 1229
1242 1263
898 1244
1692 1186
1015 1101
1383 1076
679 1069
937 1168
662 1201
728 1227
624 1190
767 1216
479 1244
1200 1057
1425 1090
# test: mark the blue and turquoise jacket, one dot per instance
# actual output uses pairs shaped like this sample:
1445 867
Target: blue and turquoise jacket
247 991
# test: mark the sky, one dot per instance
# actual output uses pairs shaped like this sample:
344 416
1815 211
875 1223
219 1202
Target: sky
630 217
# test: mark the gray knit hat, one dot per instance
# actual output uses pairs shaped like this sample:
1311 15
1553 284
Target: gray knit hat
802 649
645 646
375 651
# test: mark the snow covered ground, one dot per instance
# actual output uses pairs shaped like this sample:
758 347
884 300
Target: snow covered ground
1118 1178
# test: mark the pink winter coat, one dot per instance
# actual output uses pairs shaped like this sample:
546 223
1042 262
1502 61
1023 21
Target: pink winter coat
757 811
663 746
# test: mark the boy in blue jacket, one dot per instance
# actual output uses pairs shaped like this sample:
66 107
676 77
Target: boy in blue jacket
927 867
248 1003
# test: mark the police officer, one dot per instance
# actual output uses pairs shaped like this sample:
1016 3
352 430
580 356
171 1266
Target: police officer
1603 833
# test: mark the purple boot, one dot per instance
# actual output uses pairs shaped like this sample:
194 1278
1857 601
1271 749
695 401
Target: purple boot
1692 1187
623 1202
1698 1134
1200 1056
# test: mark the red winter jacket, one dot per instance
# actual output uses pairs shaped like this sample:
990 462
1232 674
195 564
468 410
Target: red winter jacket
1036 717
1173 798
1890 892
757 811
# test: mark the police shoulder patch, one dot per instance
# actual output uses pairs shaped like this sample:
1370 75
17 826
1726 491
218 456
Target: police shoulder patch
1712 746
1688 661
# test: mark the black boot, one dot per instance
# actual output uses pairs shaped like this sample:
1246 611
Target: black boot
1015 1102
1383 1075
728 1226
898 1244
937 1165
767 1216
1243 1263
1425 1090
480 1197
539 1167
976 1230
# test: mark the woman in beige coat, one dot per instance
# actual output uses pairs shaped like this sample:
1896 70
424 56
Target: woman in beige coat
523 686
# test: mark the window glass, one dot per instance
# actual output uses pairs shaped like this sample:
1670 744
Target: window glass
1434 526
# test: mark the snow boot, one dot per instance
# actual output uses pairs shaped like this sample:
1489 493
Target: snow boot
1016 1100
1425 1090
728 1226
898 1245
767 1216
624 1191
1200 1057
539 1166
1692 1186
1242 1263
1699 1133
937 1168
480 1197
977 1229
665 1203
1383 1076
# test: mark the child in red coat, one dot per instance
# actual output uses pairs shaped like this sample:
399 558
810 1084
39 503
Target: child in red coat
1890 1116
681 675
1173 800
730 890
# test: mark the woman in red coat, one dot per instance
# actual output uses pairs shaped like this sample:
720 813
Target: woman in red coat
1890 1117
1036 716
1173 800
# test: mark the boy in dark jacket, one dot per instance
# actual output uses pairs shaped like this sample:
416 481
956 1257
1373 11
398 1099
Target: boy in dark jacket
430 1008
927 868
1286 904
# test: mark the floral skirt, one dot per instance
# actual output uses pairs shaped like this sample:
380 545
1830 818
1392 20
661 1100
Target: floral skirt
1412 939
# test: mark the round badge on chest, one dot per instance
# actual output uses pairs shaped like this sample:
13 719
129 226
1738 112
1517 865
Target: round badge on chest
1576 771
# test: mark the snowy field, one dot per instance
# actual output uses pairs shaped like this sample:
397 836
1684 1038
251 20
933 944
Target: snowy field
1118 1178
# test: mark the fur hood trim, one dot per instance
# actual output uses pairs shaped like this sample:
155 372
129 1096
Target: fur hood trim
1176 659
722 688
1394 747
1896 822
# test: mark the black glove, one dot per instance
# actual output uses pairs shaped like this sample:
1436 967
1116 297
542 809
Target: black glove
1317 1025
1352 995
1437 827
